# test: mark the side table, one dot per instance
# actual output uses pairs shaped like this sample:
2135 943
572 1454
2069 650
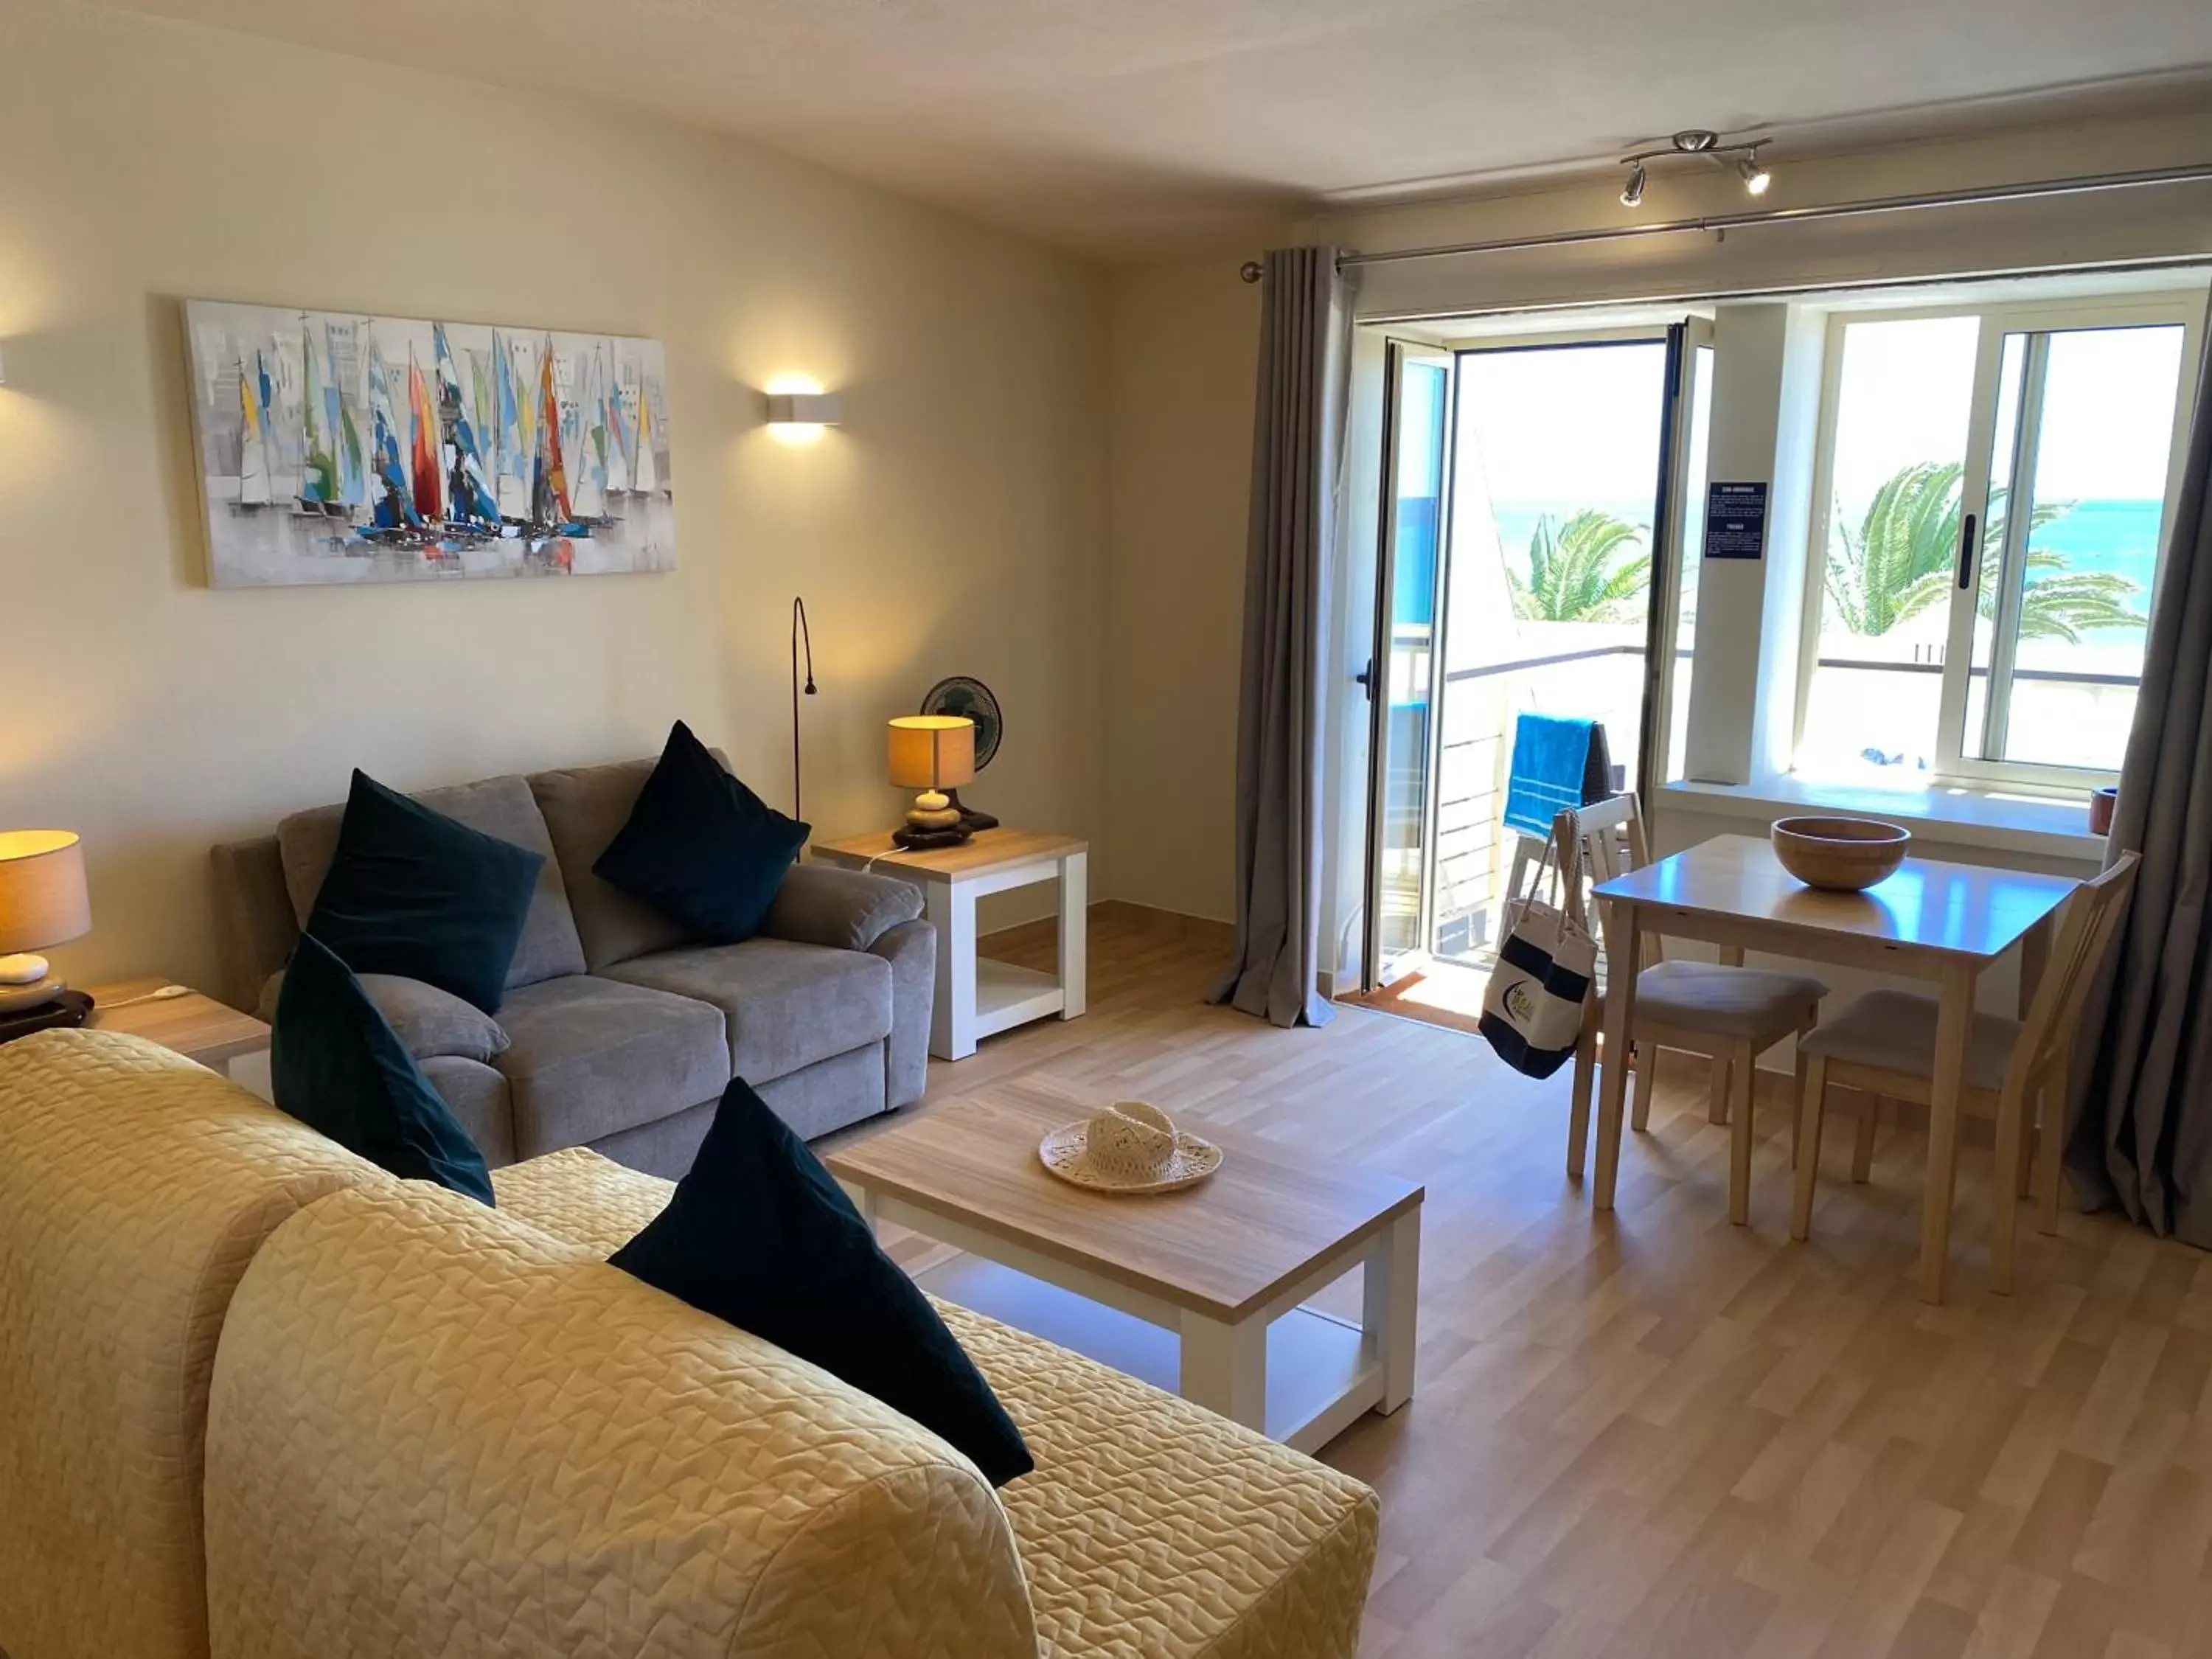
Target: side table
198 1027
977 997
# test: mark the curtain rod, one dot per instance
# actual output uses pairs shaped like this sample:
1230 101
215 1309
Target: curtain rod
2195 173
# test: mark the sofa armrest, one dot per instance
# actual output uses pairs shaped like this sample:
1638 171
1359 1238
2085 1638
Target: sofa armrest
911 950
844 910
432 1023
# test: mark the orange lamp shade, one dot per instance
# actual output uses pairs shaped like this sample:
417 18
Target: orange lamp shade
932 752
43 899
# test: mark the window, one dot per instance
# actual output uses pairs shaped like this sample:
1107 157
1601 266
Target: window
1993 493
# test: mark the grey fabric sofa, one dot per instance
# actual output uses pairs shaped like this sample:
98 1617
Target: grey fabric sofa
617 1033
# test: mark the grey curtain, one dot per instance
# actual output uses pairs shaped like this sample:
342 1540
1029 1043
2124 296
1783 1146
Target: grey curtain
2145 1138
1305 341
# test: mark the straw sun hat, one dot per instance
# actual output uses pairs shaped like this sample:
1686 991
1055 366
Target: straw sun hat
1130 1146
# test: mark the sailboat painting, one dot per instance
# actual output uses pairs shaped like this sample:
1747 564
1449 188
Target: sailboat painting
338 448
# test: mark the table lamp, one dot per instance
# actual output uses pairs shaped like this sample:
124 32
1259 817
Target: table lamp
42 901
931 753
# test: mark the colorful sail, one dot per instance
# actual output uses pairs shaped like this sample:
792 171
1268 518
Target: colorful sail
423 419
353 471
549 495
253 432
318 481
465 486
393 507
645 477
617 444
590 497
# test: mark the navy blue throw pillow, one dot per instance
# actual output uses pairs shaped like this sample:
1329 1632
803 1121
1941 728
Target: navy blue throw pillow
338 1066
413 892
761 1236
701 847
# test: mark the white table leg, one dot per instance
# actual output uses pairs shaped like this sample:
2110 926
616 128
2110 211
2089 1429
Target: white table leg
1390 1306
952 1018
250 1072
1074 933
1224 1368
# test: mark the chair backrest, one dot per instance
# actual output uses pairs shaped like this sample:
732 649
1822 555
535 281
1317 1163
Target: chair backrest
2085 934
1610 836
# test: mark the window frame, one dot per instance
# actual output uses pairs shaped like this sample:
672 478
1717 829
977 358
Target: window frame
2185 307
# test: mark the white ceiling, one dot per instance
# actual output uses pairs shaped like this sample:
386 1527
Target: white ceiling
1114 125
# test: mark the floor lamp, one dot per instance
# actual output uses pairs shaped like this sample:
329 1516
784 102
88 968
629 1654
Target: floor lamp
800 632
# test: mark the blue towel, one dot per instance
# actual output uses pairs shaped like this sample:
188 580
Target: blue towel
1552 766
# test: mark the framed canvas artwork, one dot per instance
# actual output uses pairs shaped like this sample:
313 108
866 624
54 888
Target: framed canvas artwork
336 447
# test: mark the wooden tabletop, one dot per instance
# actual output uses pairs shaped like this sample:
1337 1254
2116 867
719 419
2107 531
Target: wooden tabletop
195 1026
986 850
1223 1248
1952 909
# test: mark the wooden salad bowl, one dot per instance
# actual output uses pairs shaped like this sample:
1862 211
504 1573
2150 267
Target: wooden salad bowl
1837 854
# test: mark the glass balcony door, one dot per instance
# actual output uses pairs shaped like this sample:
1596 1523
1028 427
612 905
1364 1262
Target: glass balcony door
1401 675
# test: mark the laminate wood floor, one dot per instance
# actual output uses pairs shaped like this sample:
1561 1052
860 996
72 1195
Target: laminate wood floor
1653 1433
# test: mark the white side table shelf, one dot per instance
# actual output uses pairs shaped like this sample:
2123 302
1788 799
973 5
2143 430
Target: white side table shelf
977 997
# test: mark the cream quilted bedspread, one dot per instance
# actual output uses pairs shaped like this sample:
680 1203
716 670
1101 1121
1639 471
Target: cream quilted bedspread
1151 1529
135 1187
491 1443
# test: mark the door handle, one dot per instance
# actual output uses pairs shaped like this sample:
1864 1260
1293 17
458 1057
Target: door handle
1366 680
1966 551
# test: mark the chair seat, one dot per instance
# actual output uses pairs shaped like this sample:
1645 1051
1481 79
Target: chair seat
1895 1031
1752 1003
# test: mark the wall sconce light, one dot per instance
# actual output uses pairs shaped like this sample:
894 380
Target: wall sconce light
799 412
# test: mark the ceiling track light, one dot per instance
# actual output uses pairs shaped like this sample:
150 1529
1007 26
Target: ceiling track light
1742 156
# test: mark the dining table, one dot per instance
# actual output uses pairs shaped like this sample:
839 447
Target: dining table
1931 919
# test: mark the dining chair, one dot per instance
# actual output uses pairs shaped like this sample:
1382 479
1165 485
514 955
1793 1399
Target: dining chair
1724 1012
1884 1043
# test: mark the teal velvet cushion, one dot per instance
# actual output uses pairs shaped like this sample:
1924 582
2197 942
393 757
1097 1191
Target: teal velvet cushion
760 1235
338 1066
701 847
412 892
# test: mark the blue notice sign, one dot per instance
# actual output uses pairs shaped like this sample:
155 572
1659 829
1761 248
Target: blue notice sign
1735 521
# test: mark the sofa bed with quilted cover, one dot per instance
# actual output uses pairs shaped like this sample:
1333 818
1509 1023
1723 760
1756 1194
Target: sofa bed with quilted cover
260 1399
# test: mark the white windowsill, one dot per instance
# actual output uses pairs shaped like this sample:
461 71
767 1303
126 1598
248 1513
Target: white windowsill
1969 817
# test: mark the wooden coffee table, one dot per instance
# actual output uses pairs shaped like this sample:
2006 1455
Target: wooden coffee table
1203 1291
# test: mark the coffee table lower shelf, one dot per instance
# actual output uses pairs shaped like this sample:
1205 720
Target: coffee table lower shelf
1321 1377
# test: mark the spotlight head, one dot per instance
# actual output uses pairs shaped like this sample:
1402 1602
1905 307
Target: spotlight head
1755 177
1632 191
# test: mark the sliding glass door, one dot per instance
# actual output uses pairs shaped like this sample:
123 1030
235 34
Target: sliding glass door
1533 513
1400 678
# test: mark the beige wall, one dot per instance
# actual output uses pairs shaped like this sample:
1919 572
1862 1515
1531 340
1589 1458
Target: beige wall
955 523
1185 343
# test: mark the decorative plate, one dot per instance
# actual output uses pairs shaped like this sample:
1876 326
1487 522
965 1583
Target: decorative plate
963 694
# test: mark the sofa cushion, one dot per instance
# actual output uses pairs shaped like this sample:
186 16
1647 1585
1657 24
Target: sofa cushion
701 846
335 1065
432 1023
588 1056
584 807
502 807
760 1234
786 1005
